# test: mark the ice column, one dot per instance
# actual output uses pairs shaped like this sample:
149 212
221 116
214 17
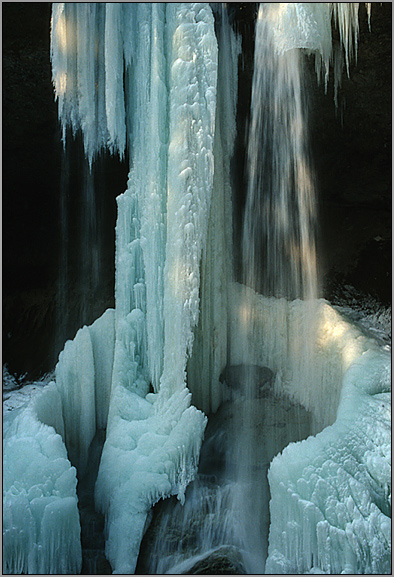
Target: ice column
153 440
154 70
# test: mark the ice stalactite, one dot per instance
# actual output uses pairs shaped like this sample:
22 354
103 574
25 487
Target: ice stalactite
78 57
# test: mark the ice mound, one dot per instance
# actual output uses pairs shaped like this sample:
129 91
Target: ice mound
151 452
309 346
41 531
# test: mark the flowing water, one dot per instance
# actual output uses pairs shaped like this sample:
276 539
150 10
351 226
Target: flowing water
279 254
81 277
61 303
222 528
90 248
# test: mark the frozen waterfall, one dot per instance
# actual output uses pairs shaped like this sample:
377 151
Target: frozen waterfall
156 84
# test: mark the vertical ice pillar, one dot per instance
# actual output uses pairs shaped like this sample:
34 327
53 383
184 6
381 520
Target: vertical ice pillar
192 105
141 226
153 440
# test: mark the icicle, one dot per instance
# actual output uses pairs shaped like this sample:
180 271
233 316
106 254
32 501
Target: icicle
114 94
368 6
86 23
345 16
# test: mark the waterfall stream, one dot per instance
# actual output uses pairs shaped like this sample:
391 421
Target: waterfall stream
223 525
279 255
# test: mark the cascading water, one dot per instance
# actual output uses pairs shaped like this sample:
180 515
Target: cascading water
225 522
61 304
279 254
279 258
91 271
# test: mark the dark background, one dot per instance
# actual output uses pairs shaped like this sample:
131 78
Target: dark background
351 150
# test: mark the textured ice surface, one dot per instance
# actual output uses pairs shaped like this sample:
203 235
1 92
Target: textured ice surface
210 348
150 453
152 445
155 74
41 531
308 345
144 77
331 494
83 378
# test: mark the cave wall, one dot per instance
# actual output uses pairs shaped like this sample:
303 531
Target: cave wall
352 155
35 325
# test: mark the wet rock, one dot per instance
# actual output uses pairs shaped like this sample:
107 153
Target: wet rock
254 381
223 561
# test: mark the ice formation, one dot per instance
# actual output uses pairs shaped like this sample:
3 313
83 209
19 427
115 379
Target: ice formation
83 379
41 531
331 494
211 336
148 82
169 54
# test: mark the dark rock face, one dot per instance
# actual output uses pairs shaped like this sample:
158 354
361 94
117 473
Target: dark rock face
33 175
352 154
